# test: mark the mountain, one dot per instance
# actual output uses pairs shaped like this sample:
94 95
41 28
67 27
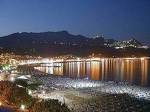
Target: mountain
61 43
25 39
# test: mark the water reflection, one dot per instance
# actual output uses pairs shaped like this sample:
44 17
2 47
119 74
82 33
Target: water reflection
132 70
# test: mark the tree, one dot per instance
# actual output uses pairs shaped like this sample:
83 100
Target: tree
49 106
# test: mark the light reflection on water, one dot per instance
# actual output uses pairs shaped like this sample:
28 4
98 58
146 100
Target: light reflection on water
135 71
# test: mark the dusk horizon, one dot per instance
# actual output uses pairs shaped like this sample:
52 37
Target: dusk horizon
119 20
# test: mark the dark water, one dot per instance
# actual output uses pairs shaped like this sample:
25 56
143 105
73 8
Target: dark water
134 71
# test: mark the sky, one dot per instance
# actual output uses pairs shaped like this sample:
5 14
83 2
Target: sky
118 19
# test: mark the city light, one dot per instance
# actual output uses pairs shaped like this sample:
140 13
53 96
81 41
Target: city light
142 58
12 79
0 103
43 92
22 77
22 107
29 92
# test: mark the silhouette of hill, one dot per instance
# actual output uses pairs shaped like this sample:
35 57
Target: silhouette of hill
62 42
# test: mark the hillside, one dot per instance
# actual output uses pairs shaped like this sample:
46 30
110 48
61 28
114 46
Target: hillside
62 43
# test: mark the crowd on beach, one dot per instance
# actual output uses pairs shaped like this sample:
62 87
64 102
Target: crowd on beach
94 86
113 96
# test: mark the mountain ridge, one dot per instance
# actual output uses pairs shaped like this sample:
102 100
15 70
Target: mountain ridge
62 42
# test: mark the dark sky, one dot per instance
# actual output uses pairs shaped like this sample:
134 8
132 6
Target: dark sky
119 19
